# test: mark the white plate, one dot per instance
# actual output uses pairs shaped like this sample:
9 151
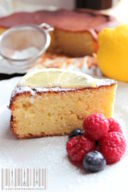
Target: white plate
49 153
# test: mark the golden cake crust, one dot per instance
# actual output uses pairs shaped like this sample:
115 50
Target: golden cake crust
68 20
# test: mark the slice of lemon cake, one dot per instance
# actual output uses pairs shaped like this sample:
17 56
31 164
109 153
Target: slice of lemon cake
49 102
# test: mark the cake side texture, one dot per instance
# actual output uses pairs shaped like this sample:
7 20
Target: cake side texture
36 113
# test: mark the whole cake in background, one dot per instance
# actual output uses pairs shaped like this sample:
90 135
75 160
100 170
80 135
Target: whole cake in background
75 32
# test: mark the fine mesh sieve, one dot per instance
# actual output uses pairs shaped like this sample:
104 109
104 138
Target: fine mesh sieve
22 45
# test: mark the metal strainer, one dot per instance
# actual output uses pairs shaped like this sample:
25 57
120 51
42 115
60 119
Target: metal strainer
22 45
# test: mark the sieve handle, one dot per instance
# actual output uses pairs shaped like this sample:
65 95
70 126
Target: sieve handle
46 27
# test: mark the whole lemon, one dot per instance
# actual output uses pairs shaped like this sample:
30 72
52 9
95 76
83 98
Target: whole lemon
113 52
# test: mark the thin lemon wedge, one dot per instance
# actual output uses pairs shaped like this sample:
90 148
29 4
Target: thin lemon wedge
50 78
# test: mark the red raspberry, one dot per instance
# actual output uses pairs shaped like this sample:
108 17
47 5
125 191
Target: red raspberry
96 126
112 146
78 146
114 125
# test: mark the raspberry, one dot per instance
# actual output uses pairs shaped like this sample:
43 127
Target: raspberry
96 126
78 146
114 125
112 146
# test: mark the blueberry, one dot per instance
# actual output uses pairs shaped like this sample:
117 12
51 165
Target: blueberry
94 161
76 132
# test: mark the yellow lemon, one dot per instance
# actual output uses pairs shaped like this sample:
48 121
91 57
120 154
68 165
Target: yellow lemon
113 52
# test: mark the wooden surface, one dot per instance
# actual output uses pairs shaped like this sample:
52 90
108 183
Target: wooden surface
94 4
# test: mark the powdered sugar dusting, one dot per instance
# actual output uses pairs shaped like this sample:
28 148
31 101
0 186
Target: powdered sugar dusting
50 153
25 53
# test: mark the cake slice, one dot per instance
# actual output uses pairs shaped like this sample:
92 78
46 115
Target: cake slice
75 31
48 102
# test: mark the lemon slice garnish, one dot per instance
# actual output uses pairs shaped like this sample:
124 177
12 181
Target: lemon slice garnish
51 78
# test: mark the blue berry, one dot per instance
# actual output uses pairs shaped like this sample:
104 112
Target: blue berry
75 133
94 161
